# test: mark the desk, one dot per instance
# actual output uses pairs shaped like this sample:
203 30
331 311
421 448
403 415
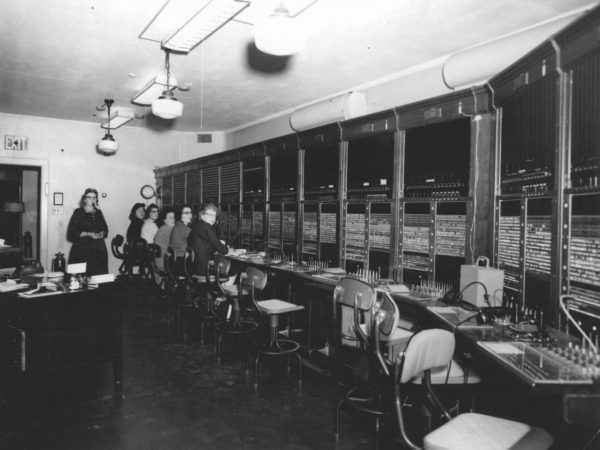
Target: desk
542 367
43 335
539 367
10 256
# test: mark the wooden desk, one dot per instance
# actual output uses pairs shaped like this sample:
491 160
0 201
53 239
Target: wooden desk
10 256
43 335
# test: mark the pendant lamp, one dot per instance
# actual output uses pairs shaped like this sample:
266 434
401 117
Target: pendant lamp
107 145
279 34
166 106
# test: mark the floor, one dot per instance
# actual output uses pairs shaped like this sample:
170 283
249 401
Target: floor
177 396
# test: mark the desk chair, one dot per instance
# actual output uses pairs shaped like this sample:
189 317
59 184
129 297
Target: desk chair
354 308
453 377
177 286
470 431
115 244
276 346
216 273
157 274
251 283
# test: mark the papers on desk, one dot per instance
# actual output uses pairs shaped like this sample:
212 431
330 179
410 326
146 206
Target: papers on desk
43 290
455 316
500 347
12 285
396 288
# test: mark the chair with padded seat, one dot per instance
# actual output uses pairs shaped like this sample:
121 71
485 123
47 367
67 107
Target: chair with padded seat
275 346
240 296
157 273
454 377
370 393
177 287
135 252
211 291
433 348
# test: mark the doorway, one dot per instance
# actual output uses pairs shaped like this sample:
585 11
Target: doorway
20 225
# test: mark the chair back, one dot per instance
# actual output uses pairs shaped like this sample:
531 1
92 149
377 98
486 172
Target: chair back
254 278
354 301
135 252
115 245
153 252
389 317
426 350
170 264
221 266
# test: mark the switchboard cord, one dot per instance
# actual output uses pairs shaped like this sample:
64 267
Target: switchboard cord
574 322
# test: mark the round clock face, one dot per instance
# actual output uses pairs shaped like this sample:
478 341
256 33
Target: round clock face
147 191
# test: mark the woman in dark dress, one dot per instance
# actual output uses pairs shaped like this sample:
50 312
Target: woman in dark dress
87 231
136 216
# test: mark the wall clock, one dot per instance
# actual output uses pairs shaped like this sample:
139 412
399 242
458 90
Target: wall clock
147 191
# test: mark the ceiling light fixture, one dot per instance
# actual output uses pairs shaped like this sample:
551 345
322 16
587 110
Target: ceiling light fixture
118 118
167 106
205 20
279 33
107 145
153 90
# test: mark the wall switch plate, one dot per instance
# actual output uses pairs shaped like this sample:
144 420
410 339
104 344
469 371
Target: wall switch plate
57 210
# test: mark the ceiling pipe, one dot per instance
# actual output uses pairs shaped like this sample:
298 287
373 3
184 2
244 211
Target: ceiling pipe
478 64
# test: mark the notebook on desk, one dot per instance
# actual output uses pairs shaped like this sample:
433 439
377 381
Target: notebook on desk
455 315
12 285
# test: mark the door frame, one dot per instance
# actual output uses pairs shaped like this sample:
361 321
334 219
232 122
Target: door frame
43 165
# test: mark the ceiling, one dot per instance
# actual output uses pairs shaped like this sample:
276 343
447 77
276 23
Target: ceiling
61 58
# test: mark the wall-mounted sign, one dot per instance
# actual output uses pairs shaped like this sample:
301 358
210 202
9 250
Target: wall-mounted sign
15 142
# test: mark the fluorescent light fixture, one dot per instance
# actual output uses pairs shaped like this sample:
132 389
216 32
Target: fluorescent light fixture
118 118
153 89
201 25
181 25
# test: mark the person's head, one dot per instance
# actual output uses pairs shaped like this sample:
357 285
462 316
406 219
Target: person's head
138 210
152 212
166 217
184 214
89 198
209 213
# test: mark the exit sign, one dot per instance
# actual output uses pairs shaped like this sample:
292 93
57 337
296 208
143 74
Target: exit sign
15 142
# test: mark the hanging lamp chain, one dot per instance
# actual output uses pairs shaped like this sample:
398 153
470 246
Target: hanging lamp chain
108 102
168 67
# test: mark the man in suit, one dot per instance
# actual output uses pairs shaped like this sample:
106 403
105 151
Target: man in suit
203 239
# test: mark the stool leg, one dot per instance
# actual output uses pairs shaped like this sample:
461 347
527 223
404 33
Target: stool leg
299 369
377 439
218 344
256 361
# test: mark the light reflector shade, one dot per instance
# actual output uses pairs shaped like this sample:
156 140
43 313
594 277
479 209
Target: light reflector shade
108 145
118 118
279 34
167 107
210 16
153 90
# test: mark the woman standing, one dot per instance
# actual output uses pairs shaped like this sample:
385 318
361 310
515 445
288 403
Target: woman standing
87 231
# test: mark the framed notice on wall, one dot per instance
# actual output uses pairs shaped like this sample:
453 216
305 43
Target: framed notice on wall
58 199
